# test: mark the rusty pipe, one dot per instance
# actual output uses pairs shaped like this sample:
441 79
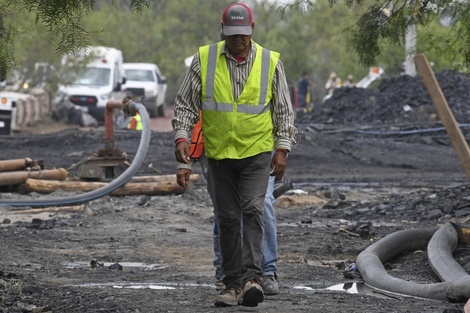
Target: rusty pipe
118 182
15 165
18 177
109 122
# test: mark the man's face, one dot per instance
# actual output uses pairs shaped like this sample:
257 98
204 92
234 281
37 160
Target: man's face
238 44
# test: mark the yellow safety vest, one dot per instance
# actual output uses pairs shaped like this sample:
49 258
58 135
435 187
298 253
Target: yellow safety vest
242 128
138 120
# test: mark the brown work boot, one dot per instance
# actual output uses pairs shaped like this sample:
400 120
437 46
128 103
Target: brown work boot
253 292
229 296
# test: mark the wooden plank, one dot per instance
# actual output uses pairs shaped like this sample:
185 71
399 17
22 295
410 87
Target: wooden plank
445 113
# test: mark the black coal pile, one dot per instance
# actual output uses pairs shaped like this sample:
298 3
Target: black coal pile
397 100
419 206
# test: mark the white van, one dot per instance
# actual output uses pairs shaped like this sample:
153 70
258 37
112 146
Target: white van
146 80
99 81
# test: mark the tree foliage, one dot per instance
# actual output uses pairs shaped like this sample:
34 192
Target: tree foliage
384 22
312 36
61 18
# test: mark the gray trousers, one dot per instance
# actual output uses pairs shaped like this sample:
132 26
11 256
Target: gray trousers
240 188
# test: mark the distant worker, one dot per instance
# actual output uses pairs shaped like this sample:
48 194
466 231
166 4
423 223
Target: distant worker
135 122
333 82
303 93
349 82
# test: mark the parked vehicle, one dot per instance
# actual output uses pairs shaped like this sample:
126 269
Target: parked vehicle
95 76
146 80
7 109
19 109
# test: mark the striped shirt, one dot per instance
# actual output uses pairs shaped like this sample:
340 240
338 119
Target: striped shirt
188 98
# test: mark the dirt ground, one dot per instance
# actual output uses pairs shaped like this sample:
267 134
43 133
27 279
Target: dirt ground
154 254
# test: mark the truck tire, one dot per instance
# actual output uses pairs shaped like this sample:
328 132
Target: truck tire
161 110
153 110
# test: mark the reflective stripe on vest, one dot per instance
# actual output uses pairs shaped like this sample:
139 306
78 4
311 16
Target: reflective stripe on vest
241 128
210 104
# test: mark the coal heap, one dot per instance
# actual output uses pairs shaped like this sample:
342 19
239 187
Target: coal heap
397 100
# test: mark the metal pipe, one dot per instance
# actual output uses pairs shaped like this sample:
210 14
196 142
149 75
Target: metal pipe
109 123
118 182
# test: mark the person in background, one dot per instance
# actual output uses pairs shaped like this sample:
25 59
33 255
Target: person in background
303 92
349 82
333 82
135 122
246 114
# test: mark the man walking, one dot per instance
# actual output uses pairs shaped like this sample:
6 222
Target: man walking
303 89
246 114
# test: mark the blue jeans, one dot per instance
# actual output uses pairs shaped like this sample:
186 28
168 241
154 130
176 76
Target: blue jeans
269 260
302 100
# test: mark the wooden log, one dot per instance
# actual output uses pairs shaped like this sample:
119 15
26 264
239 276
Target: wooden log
130 188
73 209
15 165
160 178
445 114
18 177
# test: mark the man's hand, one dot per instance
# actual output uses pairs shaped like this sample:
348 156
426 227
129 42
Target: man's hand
278 164
182 177
182 152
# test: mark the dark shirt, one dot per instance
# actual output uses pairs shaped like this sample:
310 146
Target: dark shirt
303 86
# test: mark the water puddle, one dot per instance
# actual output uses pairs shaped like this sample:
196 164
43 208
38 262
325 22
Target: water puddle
85 264
352 288
150 285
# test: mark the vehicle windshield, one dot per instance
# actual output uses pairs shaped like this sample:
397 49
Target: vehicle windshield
139 75
93 76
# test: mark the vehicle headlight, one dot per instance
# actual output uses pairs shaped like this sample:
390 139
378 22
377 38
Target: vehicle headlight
150 93
105 96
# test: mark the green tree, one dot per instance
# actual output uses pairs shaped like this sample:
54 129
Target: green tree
381 23
311 36
61 18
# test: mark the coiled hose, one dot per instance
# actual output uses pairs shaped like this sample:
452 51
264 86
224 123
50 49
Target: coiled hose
116 183
440 253
370 265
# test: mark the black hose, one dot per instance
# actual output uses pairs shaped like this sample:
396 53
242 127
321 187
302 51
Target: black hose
393 133
370 265
440 253
100 192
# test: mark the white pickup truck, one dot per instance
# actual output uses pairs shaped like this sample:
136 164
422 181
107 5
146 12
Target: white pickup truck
147 81
100 81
